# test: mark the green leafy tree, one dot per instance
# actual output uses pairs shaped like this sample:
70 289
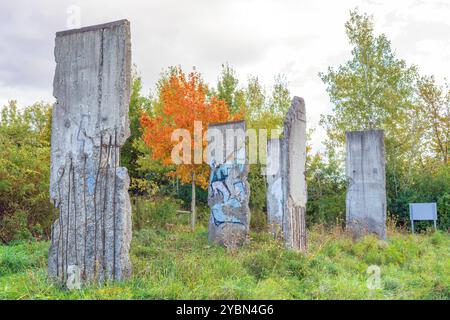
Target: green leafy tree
377 90
326 188
131 150
261 111
25 208
434 110
280 101
374 89
227 88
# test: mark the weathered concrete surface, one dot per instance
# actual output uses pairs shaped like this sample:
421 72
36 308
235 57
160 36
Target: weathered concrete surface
90 123
275 201
228 191
294 182
366 193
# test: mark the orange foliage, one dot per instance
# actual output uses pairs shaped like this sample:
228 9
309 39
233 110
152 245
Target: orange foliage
183 101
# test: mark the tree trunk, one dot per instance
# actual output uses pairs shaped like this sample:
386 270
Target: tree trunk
193 203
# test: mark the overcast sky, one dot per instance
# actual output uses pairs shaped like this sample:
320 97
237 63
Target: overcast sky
263 38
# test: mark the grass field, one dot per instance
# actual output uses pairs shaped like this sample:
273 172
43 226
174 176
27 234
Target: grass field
179 264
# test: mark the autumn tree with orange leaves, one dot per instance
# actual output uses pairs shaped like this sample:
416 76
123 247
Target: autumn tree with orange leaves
183 100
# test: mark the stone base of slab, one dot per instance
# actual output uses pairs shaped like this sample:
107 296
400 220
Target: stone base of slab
93 243
229 235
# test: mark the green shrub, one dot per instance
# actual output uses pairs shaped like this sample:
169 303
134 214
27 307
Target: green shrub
258 220
425 186
203 214
16 226
25 208
257 183
259 264
443 204
154 213
294 264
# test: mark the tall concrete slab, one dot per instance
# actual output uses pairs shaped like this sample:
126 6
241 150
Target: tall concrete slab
366 193
275 200
294 185
228 191
91 237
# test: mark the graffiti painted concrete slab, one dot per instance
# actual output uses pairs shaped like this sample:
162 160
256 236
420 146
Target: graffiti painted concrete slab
228 191
91 237
275 200
366 193
294 186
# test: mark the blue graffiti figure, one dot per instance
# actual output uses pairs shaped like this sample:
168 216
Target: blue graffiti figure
230 190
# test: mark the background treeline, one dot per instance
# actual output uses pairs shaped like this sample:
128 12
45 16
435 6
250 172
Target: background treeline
374 89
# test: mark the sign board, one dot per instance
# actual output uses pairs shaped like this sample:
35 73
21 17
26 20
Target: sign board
422 211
